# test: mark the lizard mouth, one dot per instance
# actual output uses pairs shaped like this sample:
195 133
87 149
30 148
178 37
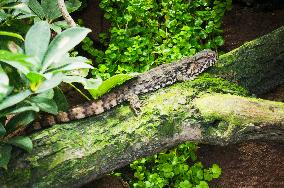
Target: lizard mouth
206 58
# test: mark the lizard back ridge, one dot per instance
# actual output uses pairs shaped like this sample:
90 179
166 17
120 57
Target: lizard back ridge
167 74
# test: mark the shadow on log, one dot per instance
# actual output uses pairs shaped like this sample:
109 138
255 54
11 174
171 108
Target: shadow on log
206 110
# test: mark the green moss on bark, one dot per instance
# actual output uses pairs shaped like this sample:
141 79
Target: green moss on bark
239 111
88 144
68 154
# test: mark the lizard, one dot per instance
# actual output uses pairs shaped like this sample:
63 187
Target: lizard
164 75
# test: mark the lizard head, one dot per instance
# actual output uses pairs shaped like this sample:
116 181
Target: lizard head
201 61
206 58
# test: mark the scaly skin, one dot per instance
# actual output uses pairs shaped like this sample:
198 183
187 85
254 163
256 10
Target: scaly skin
162 76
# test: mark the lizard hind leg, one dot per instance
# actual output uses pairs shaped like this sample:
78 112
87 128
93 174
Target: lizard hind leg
134 102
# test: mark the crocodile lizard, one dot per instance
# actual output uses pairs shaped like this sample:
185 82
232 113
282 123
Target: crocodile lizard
167 74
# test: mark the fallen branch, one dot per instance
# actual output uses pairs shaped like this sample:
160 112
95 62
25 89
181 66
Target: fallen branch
69 155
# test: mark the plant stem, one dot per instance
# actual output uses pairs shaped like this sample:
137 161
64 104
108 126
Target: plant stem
78 90
65 13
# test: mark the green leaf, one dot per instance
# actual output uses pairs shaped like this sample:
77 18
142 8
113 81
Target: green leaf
5 155
19 109
185 184
2 130
72 5
18 61
35 80
62 43
14 99
50 83
216 171
61 24
22 142
88 83
50 9
219 41
37 40
20 120
110 83
11 34
74 63
202 184
35 77
47 94
45 104
55 28
4 85
3 16
60 100
35 6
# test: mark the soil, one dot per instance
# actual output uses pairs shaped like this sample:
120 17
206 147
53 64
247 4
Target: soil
242 24
250 164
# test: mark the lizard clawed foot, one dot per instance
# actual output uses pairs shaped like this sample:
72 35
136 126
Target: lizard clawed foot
135 103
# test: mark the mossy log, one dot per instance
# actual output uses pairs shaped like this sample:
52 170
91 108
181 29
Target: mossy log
258 65
207 110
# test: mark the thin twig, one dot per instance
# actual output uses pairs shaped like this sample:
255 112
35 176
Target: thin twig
65 13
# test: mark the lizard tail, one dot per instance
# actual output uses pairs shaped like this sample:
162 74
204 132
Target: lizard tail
77 112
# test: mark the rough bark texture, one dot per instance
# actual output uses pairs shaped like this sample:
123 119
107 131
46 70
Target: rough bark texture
72 154
65 13
257 65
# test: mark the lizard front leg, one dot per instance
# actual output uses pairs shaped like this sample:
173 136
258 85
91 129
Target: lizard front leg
134 102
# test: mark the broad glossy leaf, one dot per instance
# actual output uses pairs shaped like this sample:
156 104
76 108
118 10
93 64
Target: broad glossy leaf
45 104
50 9
73 5
61 24
36 8
55 28
14 99
3 16
35 77
21 8
11 34
20 120
2 130
47 94
60 100
88 83
37 40
5 155
18 61
62 43
50 83
19 109
75 63
4 84
110 83
22 142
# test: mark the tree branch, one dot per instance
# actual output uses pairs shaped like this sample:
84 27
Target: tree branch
72 154
65 13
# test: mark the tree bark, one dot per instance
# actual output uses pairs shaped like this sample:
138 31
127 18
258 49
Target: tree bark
258 65
65 13
206 110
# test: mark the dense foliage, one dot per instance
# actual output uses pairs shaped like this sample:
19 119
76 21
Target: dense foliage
144 34
174 168
32 68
